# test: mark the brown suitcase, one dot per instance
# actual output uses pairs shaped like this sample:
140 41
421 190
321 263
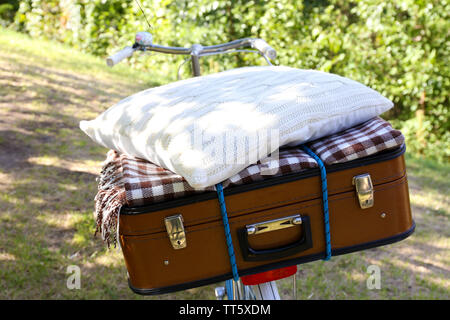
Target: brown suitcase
161 259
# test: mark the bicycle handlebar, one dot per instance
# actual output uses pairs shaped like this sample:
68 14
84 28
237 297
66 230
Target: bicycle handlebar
196 50
264 48
119 56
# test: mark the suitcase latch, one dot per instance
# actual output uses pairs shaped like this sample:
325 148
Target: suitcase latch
364 190
175 230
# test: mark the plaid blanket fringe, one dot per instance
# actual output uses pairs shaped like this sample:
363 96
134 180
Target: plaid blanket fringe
109 199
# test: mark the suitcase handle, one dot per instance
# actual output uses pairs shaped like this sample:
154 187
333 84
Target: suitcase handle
304 243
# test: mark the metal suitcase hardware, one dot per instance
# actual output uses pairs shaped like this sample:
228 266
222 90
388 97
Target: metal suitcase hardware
302 244
364 190
175 231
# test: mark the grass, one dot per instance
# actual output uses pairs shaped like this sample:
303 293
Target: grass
47 184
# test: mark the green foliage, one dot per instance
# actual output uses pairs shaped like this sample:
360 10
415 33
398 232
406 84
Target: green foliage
8 9
422 140
399 48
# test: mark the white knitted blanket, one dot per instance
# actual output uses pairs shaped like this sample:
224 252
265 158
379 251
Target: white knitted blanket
207 129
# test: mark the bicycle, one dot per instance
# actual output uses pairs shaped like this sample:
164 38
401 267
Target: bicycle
266 289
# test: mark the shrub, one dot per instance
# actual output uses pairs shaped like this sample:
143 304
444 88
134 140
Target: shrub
8 10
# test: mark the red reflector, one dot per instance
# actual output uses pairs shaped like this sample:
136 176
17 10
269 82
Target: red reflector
267 276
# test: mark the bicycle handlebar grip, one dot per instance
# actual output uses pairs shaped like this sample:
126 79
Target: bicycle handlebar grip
264 47
119 56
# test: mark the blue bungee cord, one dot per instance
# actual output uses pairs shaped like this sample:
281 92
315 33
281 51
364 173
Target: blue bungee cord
223 211
326 218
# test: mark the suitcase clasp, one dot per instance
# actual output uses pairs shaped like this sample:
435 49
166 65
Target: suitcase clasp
175 230
364 190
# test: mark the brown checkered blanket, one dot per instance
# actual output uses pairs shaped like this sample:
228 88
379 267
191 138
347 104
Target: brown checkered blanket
126 180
